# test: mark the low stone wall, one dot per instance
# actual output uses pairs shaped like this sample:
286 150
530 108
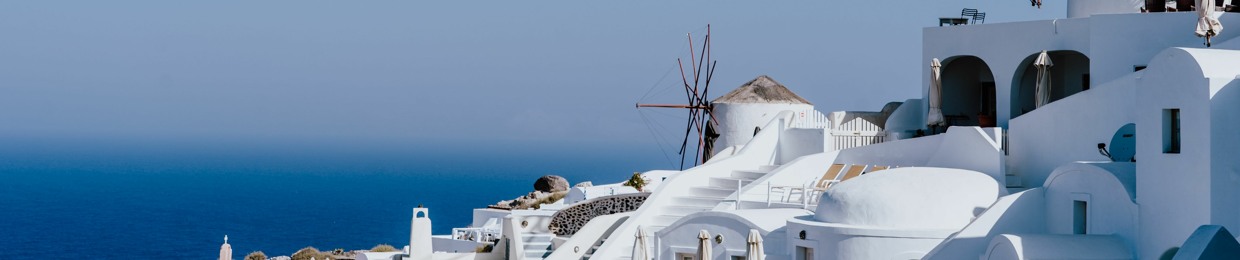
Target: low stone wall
567 221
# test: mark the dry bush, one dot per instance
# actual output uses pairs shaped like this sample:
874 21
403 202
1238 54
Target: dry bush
383 248
256 255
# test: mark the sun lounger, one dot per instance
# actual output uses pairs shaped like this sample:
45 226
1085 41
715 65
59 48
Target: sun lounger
786 192
852 172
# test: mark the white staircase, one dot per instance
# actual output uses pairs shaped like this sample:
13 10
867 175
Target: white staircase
706 197
590 252
537 245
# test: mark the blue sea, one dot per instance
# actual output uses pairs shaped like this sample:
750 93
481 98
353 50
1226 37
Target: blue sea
109 199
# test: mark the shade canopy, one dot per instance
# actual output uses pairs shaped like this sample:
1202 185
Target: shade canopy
754 250
639 245
1042 94
935 115
703 251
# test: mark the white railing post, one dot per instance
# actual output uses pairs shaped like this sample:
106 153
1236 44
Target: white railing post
738 194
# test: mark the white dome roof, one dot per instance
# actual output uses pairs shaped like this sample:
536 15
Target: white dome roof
912 197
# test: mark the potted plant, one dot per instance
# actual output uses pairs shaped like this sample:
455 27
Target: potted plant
637 182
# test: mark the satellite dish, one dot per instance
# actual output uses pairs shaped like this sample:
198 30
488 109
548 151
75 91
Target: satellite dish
1124 144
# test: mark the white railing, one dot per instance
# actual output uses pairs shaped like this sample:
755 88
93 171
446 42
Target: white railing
810 118
854 129
486 233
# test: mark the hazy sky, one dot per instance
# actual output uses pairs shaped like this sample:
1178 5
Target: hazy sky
410 71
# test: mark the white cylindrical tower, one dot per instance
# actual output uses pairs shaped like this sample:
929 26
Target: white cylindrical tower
751 106
420 234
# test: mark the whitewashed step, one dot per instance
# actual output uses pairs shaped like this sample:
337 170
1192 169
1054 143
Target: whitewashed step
698 201
537 254
707 191
748 175
727 182
768 168
685 210
536 238
774 205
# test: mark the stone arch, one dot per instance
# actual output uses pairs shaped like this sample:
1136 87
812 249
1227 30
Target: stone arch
968 92
1069 75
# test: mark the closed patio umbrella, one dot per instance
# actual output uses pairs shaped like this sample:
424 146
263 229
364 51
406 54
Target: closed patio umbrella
639 245
1042 94
935 115
1207 25
703 252
755 246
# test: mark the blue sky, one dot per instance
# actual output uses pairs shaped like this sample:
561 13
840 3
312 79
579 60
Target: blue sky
414 71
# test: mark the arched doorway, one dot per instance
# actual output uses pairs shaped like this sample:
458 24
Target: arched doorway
968 92
1069 75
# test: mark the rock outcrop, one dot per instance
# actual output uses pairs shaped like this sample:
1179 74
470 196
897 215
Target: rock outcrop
547 189
551 183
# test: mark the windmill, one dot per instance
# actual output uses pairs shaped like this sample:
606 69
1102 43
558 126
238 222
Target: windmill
696 84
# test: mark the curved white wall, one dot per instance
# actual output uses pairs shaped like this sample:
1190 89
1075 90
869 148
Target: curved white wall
734 226
737 121
910 198
1069 130
835 241
1108 190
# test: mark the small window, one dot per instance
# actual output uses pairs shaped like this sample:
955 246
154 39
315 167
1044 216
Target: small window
1085 82
1171 130
1080 217
686 256
804 253
1138 68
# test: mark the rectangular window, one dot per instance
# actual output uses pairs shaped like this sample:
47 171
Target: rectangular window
804 253
1079 217
1171 130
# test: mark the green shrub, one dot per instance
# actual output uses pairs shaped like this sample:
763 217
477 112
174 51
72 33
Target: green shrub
637 182
256 255
383 248
484 248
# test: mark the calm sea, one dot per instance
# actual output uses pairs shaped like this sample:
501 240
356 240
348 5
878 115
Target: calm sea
176 200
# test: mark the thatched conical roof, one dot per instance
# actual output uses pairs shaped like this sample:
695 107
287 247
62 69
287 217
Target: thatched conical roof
762 90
